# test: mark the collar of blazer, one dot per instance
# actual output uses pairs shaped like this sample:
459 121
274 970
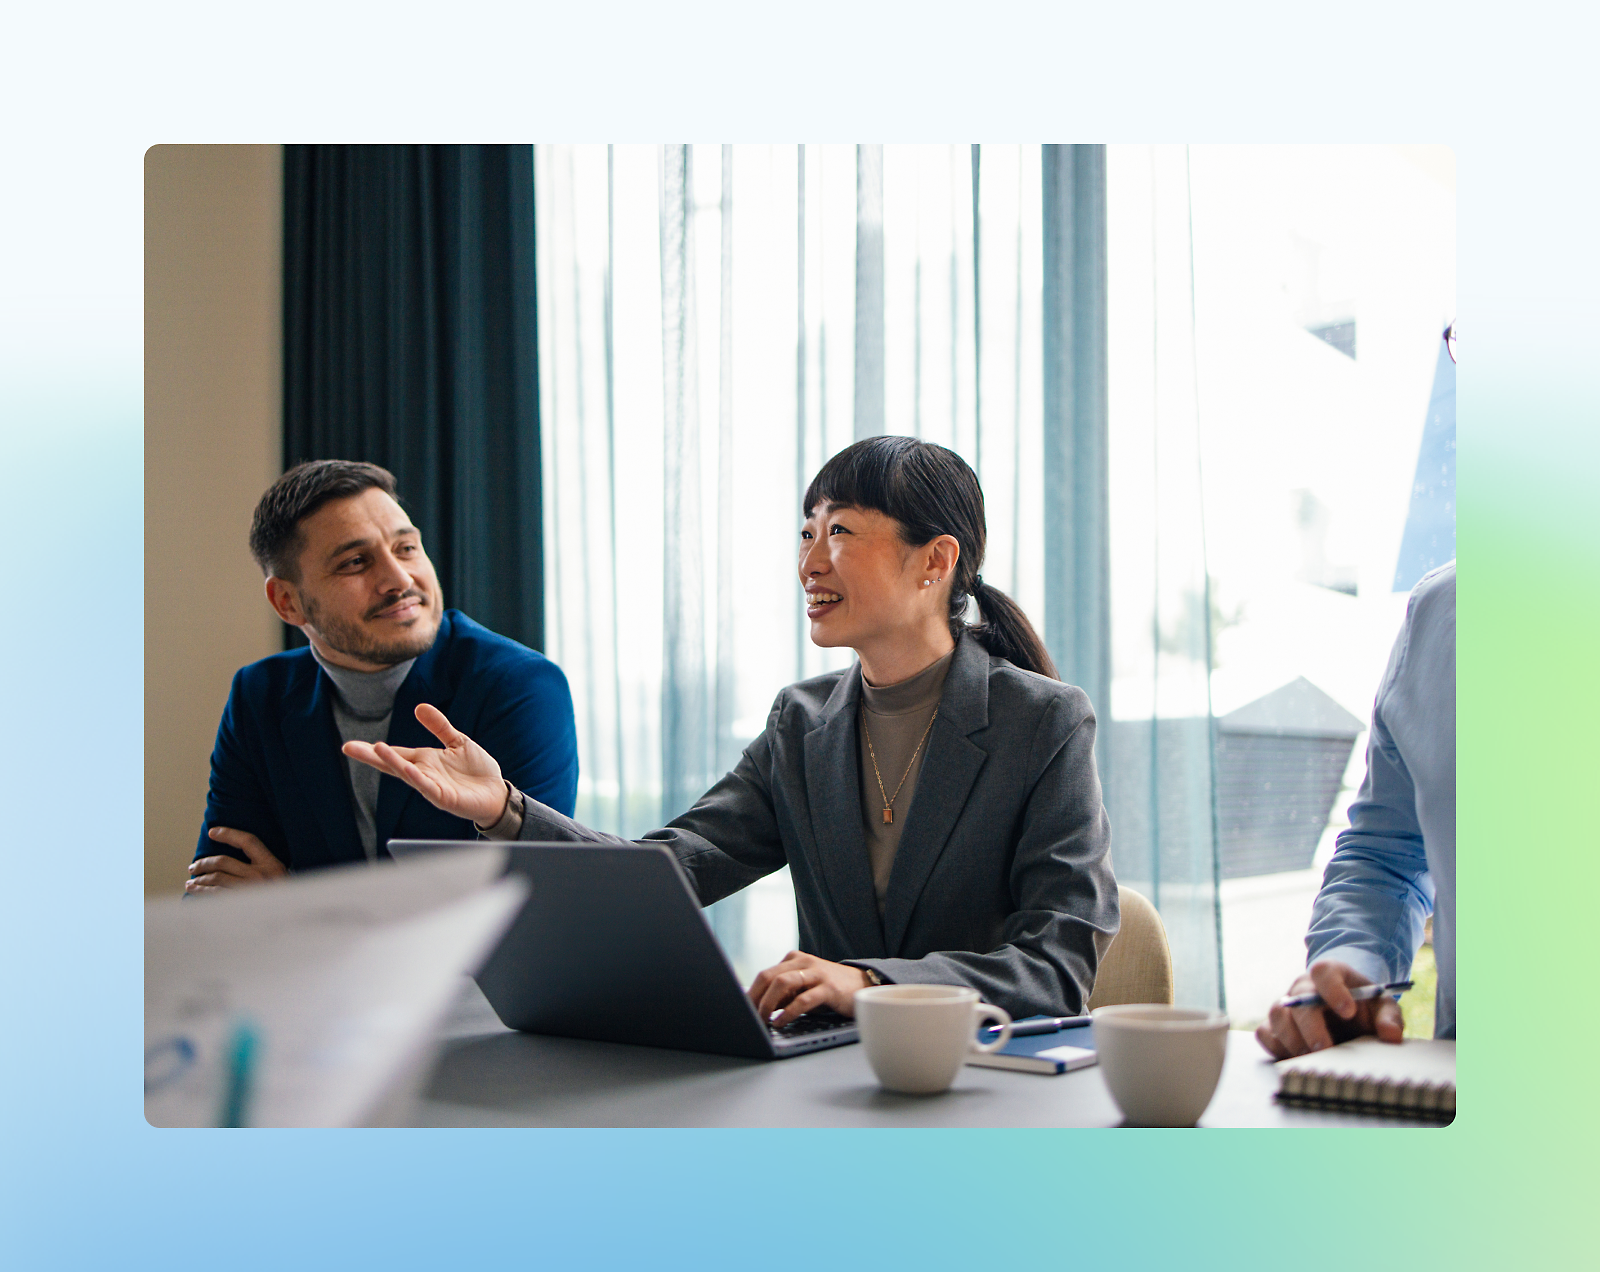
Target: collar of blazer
949 769
313 741
311 738
964 704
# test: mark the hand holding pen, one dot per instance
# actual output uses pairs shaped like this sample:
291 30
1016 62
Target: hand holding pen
1360 994
1330 1002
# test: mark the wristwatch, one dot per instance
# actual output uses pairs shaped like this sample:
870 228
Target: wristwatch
873 978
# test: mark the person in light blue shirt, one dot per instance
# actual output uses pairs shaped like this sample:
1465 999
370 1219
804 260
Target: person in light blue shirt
1396 864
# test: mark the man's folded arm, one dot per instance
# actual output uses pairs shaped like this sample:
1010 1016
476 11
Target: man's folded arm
236 797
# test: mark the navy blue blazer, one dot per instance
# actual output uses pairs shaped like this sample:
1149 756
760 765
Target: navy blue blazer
277 770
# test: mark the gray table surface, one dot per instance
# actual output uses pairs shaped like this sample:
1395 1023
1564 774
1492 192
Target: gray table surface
488 1075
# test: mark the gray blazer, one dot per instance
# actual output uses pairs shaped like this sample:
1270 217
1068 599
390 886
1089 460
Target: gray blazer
1001 880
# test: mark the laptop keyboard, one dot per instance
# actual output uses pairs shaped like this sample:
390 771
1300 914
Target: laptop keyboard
818 1021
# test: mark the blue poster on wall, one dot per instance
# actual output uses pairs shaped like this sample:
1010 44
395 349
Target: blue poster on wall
1430 534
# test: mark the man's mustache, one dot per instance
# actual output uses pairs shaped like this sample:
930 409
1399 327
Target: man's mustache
392 601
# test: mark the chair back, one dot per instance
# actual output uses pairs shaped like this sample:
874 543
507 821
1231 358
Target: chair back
1137 967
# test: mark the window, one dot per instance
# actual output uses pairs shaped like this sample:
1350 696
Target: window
716 321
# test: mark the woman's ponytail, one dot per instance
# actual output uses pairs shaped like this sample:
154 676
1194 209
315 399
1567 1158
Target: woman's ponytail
1007 633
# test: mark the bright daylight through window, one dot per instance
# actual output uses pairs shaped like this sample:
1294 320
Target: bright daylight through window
1278 465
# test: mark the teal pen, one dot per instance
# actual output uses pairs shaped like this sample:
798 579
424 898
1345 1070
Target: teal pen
241 1061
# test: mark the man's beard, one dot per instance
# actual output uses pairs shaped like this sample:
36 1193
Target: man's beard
353 641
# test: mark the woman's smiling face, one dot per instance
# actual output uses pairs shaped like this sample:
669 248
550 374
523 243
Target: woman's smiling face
862 581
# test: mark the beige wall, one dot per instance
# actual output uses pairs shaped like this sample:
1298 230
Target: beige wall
213 249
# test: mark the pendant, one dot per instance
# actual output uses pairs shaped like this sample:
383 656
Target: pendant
888 816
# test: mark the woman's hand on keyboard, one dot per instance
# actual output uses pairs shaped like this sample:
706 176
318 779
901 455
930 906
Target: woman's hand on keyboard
803 982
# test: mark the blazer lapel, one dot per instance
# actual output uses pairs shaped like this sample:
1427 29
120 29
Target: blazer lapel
420 685
833 789
312 740
949 770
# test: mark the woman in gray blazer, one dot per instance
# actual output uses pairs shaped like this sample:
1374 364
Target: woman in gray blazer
937 804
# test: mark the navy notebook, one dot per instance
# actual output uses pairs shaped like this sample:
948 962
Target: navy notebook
1058 1052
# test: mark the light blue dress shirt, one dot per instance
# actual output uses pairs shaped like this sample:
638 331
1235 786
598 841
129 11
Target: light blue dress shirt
1396 863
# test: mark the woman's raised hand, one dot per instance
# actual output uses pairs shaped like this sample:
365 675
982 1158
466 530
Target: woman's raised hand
462 779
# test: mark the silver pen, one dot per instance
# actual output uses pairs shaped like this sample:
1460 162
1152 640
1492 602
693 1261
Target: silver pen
1360 994
1044 1025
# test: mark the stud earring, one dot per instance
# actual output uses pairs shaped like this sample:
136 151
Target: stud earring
925 582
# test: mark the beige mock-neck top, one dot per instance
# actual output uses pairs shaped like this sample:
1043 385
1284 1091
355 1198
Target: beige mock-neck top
895 718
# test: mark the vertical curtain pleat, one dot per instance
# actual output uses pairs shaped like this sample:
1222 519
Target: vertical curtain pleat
1159 731
977 311
592 548
801 374
1076 420
409 341
728 916
726 707
869 420
684 731
618 753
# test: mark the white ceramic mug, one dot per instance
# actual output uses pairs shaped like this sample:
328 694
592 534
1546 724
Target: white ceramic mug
917 1037
1161 1063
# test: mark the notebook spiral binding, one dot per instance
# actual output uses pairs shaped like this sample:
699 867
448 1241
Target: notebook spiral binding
1426 1101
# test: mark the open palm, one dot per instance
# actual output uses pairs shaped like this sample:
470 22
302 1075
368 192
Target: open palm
462 779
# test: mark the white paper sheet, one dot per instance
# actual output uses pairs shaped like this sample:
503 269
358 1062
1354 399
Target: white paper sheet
342 978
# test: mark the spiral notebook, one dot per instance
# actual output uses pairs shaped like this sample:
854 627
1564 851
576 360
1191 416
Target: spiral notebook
1416 1078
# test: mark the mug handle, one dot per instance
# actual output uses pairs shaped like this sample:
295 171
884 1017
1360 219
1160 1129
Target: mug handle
985 1011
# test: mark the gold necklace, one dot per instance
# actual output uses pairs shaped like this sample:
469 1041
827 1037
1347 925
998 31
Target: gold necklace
888 799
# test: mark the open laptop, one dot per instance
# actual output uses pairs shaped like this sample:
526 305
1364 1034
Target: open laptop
612 945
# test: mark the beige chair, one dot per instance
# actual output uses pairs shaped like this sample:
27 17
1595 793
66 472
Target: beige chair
1137 967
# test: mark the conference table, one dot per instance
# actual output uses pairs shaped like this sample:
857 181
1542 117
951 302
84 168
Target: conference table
488 1075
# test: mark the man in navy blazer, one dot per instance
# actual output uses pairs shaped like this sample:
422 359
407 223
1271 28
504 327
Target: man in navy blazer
344 564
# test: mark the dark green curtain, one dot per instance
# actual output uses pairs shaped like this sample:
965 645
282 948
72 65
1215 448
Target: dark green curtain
409 340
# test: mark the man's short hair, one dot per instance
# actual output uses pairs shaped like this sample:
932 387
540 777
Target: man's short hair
275 538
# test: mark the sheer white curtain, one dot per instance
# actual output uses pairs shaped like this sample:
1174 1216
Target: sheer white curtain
688 389
1158 723
717 321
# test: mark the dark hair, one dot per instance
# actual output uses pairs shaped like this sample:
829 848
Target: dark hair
275 539
930 490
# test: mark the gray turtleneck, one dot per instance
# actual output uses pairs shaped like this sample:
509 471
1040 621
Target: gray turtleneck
363 701
896 718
